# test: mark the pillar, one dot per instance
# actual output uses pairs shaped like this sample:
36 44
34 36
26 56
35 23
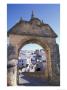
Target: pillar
12 72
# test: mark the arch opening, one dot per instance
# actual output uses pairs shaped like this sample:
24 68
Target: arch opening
32 58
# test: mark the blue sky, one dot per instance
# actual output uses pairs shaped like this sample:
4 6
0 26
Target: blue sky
49 13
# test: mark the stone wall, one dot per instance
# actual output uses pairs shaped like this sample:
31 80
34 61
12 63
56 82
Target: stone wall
55 60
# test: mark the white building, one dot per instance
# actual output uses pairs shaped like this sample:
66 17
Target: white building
29 59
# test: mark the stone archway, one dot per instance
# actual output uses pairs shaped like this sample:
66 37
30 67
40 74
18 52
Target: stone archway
48 71
45 45
34 31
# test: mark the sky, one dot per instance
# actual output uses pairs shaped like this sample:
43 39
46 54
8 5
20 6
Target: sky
31 45
49 13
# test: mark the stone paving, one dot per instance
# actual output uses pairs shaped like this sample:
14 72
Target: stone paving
31 81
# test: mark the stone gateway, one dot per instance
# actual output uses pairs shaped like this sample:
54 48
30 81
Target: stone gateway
33 31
